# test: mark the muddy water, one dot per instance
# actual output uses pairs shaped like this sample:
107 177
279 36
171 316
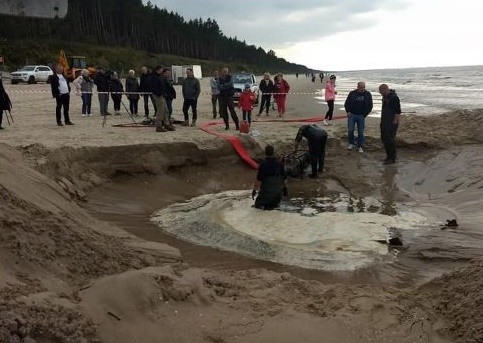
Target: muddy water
439 186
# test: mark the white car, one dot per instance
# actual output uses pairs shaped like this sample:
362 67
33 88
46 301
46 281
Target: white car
32 74
239 82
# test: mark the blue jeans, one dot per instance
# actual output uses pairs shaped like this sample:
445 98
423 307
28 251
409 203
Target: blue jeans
86 103
352 120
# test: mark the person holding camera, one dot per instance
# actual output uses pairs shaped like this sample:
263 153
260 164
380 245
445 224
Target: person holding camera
83 85
270 183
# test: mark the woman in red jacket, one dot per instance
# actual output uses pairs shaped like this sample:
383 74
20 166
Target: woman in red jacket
281 89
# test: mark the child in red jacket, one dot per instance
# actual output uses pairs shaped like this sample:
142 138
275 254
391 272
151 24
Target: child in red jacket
247 97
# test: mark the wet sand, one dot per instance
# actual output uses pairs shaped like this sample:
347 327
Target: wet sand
104 266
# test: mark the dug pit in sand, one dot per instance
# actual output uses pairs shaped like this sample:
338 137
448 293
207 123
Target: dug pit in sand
323 234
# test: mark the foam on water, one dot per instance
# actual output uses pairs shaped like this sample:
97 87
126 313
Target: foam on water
320 235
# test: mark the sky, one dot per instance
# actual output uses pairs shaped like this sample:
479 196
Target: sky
337 35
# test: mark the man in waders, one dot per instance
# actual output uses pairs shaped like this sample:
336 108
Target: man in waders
316 140
270 183
390 117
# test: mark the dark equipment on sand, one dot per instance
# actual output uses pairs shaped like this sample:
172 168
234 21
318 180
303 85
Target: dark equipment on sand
295 164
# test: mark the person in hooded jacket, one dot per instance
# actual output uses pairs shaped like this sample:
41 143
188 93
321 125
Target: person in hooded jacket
270 183
132 89
281 89
5 103
390 119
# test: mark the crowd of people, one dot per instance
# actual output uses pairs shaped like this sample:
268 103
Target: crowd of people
156 88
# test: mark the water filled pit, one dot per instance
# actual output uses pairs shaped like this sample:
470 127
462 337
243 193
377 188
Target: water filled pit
323 231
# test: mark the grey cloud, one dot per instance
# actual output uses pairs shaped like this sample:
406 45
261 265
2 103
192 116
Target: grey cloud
271 24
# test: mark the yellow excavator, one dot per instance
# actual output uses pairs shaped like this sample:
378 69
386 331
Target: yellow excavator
73 65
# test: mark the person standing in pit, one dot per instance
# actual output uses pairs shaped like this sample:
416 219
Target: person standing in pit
390 119
316 140
270 183
358 105
330 94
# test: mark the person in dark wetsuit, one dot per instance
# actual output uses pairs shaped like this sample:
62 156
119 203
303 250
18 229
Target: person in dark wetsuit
316 139
270 182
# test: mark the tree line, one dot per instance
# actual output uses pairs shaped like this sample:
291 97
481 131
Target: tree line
130 23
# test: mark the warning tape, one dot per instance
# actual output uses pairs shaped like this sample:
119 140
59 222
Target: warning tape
21 91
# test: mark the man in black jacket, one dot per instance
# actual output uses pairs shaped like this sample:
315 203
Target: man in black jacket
270 183
227 91
316 140
103 83
390 118
267 88
358 105
61 92
160 92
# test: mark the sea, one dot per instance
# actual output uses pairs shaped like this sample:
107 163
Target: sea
423 91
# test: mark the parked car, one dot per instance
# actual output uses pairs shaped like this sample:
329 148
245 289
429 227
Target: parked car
239 82
32 74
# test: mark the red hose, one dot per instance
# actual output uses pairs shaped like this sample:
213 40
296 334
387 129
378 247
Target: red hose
238 146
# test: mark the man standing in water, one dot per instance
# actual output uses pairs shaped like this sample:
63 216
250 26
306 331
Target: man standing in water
270 182
316 140
358 105
390 118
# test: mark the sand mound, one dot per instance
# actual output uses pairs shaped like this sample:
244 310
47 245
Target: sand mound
459 301
39 225
453 128
49 244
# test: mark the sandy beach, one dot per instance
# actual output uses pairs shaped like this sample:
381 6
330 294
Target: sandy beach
80 260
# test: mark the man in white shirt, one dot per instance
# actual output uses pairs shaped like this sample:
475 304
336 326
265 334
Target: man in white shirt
61 92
